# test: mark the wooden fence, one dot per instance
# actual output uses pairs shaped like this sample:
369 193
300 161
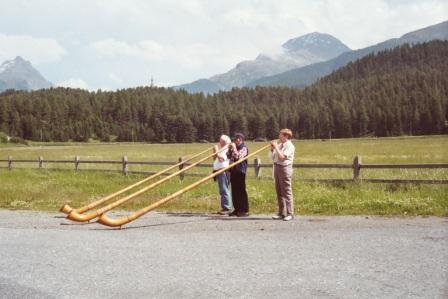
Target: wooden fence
356 166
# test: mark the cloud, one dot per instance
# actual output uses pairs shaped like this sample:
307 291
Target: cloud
181 41
145 49
190 55
37 50
195 55
74 83
114 77
363 23
248 16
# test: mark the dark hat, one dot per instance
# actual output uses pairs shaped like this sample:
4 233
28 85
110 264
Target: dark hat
238 135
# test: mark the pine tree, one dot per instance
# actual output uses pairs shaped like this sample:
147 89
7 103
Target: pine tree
272 128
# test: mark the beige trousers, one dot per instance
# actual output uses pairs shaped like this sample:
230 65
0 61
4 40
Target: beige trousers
283 178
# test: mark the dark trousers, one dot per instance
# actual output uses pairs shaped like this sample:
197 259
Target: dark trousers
239 194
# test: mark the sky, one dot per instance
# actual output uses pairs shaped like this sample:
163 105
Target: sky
112 44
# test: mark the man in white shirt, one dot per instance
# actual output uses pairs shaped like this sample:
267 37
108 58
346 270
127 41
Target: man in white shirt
282 154
221 161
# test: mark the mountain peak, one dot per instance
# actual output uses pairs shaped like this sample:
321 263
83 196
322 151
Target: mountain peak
316 41
312 36
19 59
303 76
19 73
11 64
300 51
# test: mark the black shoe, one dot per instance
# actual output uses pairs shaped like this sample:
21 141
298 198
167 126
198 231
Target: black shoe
234 213
242 214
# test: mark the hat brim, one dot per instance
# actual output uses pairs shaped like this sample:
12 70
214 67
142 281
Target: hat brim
286 133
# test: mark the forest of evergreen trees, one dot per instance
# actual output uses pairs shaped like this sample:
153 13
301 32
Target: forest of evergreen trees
403 91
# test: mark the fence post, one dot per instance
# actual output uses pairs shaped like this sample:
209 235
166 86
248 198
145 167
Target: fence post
10 162
77 162
257 167
181 166
357 168
41 160
124 165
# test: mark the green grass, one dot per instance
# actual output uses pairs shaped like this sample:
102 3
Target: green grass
430 149
48 189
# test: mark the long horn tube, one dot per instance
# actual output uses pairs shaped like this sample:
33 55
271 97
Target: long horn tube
87 217
106 220
67 209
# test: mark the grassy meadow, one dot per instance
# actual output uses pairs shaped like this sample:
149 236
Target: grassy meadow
47 189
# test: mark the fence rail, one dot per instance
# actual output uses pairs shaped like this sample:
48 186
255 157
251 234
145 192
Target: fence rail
356 167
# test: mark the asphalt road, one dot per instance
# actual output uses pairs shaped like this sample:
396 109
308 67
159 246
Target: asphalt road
186 256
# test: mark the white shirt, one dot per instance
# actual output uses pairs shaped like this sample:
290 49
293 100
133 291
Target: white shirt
222 155
286 149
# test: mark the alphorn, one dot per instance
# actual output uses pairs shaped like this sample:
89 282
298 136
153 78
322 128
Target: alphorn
118 222
66 209
75 216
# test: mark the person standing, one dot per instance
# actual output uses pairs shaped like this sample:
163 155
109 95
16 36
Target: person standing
238 151
221 161
282 154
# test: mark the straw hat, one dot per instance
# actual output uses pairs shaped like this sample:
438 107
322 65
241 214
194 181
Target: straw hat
286 132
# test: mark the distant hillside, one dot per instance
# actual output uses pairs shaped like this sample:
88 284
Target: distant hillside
296 52
394 92
205 86
391 93
426 57
19 74
303 76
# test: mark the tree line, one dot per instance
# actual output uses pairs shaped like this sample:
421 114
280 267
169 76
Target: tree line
403 91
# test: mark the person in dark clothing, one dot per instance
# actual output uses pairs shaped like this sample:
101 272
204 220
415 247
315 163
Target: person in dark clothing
237 151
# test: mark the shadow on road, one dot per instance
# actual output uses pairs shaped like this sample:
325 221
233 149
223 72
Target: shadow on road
78 223
145 226
217 216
